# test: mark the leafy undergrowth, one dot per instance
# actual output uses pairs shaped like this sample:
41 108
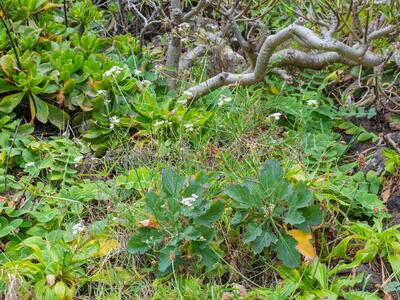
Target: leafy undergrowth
253 204
258 193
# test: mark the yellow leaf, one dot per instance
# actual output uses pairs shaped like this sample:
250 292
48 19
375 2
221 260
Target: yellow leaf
304 245
2 14
51 5
106 246
274 90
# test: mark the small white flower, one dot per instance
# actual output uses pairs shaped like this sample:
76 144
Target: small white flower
188 201
29 164
78 228
101 92
78 158
312 102
137 72
202 239
188 126
114 120
184 26
143 84
115 70
187 95
276 116
111 126
223 99
158 123
195 196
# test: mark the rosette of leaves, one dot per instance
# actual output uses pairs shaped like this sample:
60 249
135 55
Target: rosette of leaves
180 225
270 204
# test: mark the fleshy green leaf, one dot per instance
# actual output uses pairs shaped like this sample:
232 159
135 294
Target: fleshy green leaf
8 103
58 117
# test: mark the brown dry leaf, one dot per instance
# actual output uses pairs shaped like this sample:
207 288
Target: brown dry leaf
150 223
387 189
60 97
304 245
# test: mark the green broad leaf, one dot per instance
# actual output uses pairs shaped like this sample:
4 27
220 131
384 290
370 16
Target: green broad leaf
172 182
6 230
58 117
263 241
191 233
242 197
252 232
286 251
154 203
313 217
6 87
271 172
208 257
93 134
168 256
8 103
293 217
300 197
42 109
137 244
211 215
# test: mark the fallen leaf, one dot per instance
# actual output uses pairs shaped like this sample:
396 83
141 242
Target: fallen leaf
304 245
387 188
149 223
107 245
60 97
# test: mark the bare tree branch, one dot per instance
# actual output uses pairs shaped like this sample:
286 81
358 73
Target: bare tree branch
332 51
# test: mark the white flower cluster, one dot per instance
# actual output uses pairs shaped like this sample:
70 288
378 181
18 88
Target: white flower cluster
137 72
312 103
189 127
275 116
114 71
113 120
78 228
223 99
143 84
159 123
189 201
